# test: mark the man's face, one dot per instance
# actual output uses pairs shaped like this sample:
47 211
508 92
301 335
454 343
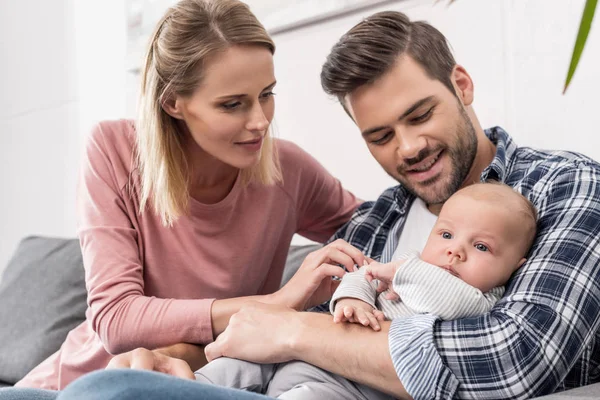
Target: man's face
417 130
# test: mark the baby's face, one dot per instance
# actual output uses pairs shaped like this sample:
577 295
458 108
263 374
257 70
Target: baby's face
479 242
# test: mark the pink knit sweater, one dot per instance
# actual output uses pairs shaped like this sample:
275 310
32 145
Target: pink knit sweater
152 286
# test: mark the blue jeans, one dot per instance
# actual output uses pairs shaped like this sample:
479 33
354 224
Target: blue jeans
127 384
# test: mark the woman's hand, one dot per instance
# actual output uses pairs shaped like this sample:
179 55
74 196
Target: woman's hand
168 360
312 285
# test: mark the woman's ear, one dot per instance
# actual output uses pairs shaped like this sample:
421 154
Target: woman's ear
463 85
173 105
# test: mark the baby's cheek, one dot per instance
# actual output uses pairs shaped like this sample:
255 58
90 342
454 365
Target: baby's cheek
430 257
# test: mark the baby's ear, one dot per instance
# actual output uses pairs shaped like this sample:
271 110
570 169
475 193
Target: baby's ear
521 263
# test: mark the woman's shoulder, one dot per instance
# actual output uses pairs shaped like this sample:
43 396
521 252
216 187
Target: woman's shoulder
293 158
113 135
298 167
111 144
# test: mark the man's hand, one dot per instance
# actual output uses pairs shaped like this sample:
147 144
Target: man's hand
261 333
152 360
357 312
384 273
312 285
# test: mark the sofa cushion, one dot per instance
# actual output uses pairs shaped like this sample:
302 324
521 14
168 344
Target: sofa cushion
42 297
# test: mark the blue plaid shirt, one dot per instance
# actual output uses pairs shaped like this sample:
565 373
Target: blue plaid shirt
544 334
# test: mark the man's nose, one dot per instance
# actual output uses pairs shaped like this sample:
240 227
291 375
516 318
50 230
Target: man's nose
411 147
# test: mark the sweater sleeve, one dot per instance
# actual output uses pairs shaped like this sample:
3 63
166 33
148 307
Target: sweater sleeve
428 289
119 312
354 285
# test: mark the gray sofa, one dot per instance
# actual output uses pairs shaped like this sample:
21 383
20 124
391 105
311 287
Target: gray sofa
43 297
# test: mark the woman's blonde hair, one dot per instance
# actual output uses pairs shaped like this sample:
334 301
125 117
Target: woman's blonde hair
186 36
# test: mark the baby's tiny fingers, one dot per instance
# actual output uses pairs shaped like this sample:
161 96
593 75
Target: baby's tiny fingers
379 315
391 296
348 312
373 321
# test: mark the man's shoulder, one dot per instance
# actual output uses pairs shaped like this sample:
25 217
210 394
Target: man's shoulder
536 166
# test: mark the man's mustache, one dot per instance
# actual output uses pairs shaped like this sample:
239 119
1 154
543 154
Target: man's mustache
407 163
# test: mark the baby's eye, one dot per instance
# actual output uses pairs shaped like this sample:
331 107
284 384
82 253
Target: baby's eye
447 235
481 247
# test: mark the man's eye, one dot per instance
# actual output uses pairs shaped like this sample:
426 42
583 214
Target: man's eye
481 247
447 235
423 117
383 139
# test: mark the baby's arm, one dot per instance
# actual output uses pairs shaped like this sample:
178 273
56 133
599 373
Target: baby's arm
354 301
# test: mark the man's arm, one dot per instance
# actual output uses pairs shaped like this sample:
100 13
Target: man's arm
353 351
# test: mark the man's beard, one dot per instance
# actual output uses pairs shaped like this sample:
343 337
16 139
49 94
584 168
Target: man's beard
461 154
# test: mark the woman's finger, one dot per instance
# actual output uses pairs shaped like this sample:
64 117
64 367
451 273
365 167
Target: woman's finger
336 256
142 359
353 252
120 361
179 368
328 270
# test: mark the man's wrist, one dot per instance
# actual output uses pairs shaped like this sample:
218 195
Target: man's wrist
296 344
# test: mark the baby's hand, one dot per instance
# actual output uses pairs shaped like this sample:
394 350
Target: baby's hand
357 312
384 273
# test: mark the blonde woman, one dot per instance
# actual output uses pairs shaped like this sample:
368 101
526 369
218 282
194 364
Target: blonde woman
187 214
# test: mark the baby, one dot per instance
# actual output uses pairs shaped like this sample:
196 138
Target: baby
480 238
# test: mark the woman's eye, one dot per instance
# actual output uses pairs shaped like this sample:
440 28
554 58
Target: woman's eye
447 235
267 95
231 106
481 247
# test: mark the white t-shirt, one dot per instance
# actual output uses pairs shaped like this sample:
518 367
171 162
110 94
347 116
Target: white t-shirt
417 228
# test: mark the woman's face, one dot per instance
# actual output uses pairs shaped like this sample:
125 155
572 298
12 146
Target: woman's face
229 114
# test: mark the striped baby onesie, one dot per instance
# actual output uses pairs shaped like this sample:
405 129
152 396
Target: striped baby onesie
423 289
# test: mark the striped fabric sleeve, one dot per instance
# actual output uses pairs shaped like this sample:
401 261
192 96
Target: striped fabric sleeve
354 285
426 288
533 338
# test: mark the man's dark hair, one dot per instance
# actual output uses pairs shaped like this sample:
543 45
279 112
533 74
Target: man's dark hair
373 46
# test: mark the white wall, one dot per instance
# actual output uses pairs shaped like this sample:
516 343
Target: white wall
38 120
59 72
63 69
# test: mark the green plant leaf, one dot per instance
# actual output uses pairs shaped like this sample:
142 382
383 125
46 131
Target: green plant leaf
584 30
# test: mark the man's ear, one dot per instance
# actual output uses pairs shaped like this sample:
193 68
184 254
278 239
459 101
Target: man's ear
173 105
463 85
521 263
